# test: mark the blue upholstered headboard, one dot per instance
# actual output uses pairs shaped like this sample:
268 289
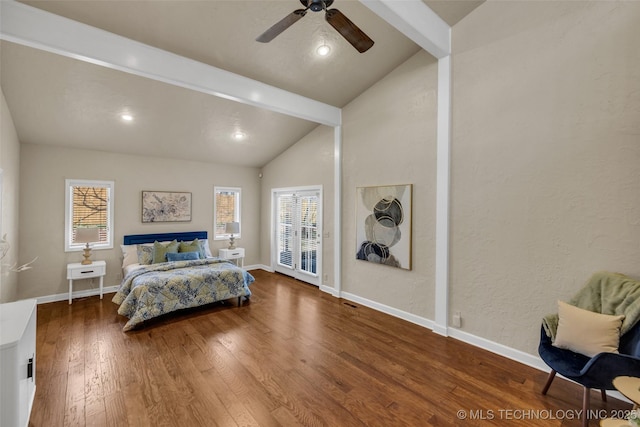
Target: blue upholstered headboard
137 239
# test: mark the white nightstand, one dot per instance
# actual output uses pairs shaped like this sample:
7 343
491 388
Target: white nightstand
77 271
237 254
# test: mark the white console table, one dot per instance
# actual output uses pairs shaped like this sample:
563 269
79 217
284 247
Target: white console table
17 362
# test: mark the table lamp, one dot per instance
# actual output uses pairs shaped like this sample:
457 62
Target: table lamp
232 228
87 235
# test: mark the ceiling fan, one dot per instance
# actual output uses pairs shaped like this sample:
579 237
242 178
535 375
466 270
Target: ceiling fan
334 17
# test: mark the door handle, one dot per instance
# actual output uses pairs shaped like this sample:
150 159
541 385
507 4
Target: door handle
30 368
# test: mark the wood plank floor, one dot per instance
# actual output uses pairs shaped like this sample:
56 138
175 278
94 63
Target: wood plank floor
291 356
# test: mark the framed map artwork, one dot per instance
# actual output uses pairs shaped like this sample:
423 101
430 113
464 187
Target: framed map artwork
166 206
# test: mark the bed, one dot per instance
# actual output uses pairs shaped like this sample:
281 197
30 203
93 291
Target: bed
158 280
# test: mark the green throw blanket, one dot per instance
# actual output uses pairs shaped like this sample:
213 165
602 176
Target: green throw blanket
606 293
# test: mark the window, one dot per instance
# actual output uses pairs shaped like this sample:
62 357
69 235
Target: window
88 204
226 208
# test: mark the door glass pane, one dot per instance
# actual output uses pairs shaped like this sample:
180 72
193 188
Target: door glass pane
285 230
308 206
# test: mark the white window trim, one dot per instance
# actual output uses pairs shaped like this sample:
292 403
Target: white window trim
68 218
237 216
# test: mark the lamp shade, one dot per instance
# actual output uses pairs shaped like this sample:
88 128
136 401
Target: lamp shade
232 228
87 235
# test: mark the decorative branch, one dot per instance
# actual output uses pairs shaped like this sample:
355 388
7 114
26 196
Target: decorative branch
15 268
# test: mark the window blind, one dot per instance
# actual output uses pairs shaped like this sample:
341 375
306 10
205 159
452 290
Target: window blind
90 209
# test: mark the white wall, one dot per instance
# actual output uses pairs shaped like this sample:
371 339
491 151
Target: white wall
390 138
546 159
307 163
43 173
10 165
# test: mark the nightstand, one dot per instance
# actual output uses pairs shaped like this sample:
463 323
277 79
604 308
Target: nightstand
77 271
237 254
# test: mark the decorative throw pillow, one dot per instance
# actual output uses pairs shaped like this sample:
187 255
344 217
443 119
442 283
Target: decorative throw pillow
206 248
183 256
194 246
145 254
586 332
160 250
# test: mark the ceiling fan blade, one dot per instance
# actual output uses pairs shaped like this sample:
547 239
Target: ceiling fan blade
348 30
281 25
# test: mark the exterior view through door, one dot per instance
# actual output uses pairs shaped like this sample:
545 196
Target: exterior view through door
298 233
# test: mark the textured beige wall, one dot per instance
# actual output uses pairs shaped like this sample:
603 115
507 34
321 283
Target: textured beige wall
389 138
10 165
308 163
546 159
44 170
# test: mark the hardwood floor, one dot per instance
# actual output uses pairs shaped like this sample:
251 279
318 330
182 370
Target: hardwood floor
291 356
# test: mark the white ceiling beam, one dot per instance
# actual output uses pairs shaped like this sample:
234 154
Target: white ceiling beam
417 21
29 26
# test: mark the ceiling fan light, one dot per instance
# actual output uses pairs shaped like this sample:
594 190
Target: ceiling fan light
126 117
323 50
238 136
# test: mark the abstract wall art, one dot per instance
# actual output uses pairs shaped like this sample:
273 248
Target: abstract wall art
383 225
165 206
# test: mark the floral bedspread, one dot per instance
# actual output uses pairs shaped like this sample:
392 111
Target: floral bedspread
158 289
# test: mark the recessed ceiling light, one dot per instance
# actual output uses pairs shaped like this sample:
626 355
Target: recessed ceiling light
323 50
126 117
239 135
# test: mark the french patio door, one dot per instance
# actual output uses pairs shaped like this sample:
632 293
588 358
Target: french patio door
298 234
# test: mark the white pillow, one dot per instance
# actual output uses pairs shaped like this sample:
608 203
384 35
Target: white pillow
129 254
586 332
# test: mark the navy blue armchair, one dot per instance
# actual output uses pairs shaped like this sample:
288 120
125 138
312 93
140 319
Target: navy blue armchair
595 372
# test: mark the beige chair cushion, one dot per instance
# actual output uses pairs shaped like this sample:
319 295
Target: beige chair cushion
586 332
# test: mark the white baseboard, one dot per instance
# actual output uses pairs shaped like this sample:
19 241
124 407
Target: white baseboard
440 329
330 290
76 294
389 310
502 350
510 353
259 267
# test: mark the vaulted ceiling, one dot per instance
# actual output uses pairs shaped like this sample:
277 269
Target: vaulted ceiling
63 101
